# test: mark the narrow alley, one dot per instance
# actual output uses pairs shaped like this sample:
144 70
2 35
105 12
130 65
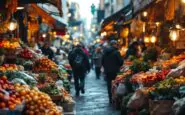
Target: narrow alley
95 100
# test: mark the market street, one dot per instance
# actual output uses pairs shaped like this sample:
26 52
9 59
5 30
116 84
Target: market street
95 100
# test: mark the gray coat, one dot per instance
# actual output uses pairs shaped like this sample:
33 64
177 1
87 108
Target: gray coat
98 59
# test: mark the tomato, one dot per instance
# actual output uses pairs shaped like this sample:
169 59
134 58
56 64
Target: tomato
4 78
2 105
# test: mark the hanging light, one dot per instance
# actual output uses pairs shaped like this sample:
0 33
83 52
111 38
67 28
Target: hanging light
178 26
183 1
146 39
12 25
44 35
20 8
145 13
174 35
153 39
157 23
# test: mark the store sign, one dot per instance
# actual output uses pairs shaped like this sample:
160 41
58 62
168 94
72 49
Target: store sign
140 4
181 42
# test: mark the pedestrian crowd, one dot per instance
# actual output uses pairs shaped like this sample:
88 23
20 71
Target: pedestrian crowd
104 60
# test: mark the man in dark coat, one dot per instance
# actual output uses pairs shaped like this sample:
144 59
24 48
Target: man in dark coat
80 65
46 50
112 61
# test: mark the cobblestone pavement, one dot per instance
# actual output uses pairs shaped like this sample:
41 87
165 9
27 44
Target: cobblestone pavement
95 100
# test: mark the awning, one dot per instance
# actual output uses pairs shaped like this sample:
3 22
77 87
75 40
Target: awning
57 3
55 21
35 10
118 15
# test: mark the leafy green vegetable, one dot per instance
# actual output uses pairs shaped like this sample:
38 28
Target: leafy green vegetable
139 66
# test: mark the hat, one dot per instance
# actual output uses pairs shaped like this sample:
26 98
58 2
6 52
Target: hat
113 42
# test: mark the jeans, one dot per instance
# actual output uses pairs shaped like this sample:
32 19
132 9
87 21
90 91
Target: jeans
110 77
79 82
98 72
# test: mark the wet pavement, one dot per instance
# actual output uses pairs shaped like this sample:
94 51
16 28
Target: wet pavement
95 100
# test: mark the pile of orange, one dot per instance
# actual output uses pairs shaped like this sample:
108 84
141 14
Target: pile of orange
44 65
37 103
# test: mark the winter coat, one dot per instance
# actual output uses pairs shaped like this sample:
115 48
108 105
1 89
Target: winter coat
112 60
48 52
98 59
85 65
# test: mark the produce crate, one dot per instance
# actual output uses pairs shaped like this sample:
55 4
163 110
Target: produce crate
161 107
56 98
18 111
68 107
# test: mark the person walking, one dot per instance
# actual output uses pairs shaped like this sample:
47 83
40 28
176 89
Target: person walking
112 61
98 62
80 65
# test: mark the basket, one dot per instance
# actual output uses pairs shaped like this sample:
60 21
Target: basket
161 107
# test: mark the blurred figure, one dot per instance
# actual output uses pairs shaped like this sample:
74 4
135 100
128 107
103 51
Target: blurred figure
80 65
143 46
98 62
46 50
112 61
85 50
132 50
91 52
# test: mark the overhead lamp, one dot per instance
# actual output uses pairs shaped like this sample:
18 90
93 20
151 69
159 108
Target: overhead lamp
145 13
153 39
174 35
44 35
146 39
157 23
12 25
178 26
183 1
20 8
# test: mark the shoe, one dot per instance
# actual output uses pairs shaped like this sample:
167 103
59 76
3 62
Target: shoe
83 91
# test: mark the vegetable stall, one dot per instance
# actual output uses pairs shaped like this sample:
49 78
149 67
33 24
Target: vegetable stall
145 88
31 83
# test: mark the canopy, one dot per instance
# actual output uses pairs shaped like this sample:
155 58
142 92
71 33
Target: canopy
57 3
119 15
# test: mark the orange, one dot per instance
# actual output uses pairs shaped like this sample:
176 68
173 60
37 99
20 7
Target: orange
12 107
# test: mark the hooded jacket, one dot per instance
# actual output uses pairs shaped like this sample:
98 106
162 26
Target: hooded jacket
112 60
86 65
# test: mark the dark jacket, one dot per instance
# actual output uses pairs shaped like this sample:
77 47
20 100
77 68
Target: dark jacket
48 52
85 65
112 60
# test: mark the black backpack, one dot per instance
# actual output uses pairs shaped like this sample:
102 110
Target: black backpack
78 61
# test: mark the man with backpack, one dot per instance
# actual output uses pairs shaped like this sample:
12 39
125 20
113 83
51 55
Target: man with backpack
80 65
112 61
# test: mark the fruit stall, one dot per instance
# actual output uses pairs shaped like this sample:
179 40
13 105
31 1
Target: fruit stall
30 83
144 88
